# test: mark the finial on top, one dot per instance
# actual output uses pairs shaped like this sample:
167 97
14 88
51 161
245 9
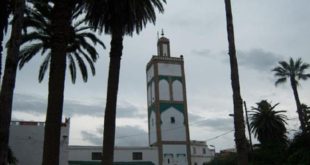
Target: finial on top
162 32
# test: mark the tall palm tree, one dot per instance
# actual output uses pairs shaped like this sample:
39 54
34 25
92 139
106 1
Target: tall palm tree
61 24
118 18
55 32
294 71
78 49
4 16
267 124
8 83
240 139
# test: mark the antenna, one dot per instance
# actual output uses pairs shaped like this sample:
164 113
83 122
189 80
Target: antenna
162 32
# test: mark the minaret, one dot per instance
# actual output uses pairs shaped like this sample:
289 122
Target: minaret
167 106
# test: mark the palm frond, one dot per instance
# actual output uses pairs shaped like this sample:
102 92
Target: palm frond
90 62
72 68
27 53
44 66
82 67
280 81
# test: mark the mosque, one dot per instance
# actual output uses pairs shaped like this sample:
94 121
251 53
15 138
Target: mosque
168 129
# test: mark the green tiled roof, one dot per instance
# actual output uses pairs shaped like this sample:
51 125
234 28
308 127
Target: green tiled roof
115 163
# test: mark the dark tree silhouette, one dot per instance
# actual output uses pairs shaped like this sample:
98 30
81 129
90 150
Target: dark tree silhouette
118 18
9 78
267 124
294 71
240 139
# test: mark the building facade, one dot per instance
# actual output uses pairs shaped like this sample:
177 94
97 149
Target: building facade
168 129
26 141
167 106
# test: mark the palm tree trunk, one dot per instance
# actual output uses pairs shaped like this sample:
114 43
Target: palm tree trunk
110 110
61 21
9 78
240 138
298 104
4 14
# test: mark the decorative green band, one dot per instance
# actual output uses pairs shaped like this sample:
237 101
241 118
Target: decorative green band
177 106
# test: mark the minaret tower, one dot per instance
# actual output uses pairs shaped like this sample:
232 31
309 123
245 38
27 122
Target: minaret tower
167 106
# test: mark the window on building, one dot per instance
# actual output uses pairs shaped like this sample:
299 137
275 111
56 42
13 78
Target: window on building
172 120
194 150
195 163
137 156
204 150
96 156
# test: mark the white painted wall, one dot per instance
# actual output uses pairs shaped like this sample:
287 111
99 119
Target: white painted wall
153 132
177 90
149 95
165 49
164 92
153 92
169 69
173 131
197 153
150 73
121 154
176 154
26 142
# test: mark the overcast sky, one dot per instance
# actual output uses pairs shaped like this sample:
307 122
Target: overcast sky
265 32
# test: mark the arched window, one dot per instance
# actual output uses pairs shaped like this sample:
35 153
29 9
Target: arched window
177 90
164 90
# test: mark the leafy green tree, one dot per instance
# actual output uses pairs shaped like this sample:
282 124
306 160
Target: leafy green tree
118 18
9 78
306 110
267 124
240 139
294 71
298 151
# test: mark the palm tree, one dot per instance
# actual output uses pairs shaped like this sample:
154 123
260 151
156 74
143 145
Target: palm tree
78 49
55 32
118 18
240 139
294 71
267 124
8 83
4 16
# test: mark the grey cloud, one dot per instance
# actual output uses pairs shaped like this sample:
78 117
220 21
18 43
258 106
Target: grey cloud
258 59
194 118
125 136
201 53
29 104
37 106
131 136
219 124
125 110
92 138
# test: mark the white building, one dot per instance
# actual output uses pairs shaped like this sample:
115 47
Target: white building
26 142
169 138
